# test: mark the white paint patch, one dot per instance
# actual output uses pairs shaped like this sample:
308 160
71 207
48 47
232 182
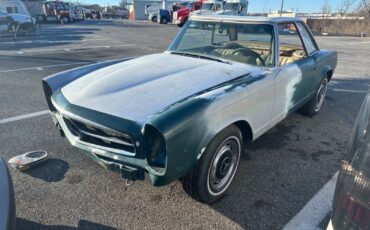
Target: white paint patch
43 67
286 84
24 116
316 209
39 68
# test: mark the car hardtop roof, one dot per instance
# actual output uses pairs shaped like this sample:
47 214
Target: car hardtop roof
233 18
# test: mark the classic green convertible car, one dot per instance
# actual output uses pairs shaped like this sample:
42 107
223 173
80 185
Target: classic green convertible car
188 112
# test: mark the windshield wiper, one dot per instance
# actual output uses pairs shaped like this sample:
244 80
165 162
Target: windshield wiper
199 56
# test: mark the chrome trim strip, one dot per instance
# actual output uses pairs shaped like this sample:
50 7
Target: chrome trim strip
84 120
110 139
75 140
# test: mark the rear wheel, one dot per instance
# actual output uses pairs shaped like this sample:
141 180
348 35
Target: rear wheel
216 169
313 106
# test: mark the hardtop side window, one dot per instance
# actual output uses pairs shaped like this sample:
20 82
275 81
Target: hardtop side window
291 48
307 39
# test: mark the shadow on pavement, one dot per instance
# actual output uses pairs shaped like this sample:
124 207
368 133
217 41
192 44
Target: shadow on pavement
286 166
46 37
22 224
52 170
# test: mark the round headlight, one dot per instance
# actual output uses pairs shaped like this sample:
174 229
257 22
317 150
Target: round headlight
155 147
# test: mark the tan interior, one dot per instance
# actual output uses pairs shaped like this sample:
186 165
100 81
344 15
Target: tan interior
290 53
231 53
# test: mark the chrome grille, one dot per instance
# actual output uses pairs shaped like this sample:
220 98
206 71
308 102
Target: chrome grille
107 138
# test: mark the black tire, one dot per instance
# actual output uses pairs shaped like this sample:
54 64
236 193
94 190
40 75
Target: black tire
31 29
22 30
154 19
313 106
181 24
164 21
219 164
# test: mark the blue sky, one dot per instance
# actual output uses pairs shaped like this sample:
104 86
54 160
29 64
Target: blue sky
262 5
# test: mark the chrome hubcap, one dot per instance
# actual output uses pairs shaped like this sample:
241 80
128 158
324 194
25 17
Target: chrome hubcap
321 93
224 165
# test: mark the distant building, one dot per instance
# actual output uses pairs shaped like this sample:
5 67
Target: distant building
276 13
292 14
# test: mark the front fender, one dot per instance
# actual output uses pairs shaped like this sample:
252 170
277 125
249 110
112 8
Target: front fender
189 126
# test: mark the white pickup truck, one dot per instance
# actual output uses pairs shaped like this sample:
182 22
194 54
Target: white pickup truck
19 23
218 7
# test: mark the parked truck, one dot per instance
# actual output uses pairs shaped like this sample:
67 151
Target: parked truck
209 7
220 7
234 7
181 16
54 11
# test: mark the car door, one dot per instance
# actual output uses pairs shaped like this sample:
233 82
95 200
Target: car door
312 51
293 82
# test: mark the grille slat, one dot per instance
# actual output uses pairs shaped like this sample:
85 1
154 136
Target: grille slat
101 137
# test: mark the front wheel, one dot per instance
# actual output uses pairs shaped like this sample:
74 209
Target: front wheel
216 169
313 106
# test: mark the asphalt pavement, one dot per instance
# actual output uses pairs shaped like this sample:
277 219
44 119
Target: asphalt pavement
282 171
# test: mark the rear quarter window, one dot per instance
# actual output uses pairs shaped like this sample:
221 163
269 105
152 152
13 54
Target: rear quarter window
307 39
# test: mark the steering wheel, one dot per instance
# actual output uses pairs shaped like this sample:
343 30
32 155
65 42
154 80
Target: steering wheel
249 52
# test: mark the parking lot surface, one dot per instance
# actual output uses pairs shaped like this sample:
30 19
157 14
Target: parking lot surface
282 171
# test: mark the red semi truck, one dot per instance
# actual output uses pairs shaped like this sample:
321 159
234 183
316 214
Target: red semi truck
181 16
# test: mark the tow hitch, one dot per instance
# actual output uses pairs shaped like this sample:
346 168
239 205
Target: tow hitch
132 174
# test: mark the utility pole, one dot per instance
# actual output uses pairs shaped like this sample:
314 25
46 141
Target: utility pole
282 7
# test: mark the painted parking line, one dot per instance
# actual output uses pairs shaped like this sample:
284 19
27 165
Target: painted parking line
310 217
24 116
45 35
51 41
64 49
349 91
40 68
359 43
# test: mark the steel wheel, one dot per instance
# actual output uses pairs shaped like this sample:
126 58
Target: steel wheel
321 93
223 166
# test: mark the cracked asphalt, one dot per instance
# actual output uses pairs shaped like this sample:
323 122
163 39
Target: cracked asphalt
280 173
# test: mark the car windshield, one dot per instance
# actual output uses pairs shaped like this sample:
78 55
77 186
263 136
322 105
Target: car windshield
245 43
64 6
189 5
231 6
207 6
